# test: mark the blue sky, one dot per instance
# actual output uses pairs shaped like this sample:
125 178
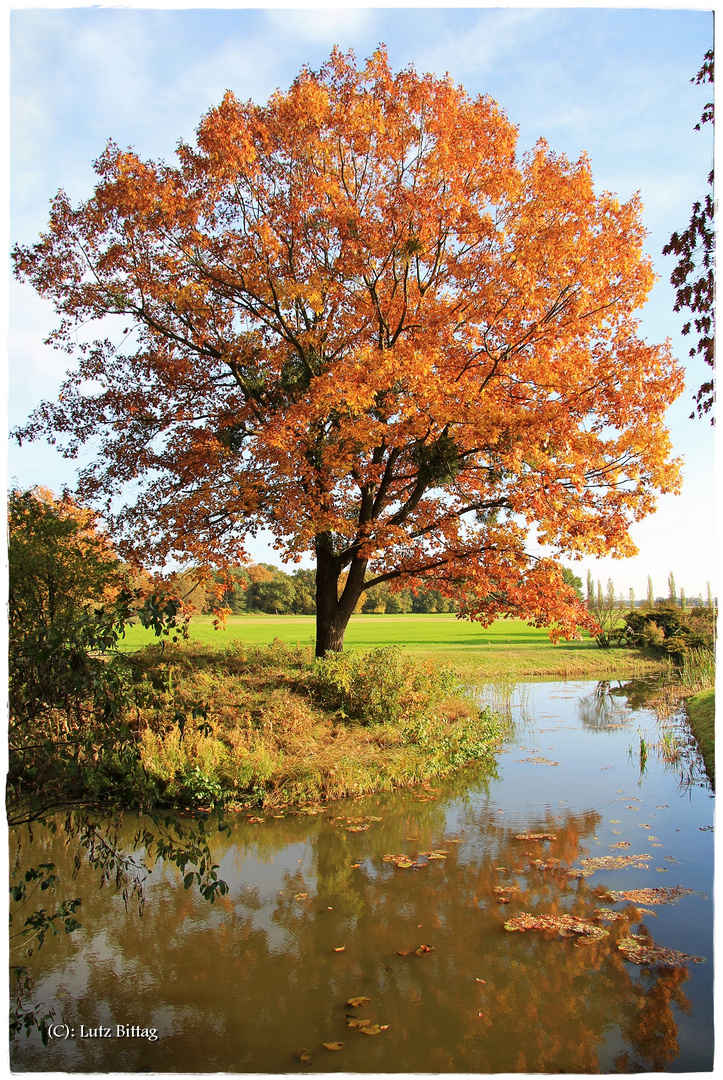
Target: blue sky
614 82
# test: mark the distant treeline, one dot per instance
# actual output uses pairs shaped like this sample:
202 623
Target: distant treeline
265 588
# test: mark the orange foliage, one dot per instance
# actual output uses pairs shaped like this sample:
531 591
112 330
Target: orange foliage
361 321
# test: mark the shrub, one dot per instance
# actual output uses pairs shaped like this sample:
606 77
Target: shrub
380 686
671 631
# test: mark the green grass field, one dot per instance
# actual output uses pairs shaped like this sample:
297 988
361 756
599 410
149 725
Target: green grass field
507 648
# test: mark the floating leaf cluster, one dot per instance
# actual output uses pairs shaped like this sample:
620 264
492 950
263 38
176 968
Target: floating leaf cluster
650 896
608 915
640 950
616 862
535 836
538 760
556 924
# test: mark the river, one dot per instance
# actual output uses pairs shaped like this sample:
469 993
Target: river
324 907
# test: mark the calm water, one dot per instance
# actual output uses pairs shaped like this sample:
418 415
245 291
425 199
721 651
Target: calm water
315 916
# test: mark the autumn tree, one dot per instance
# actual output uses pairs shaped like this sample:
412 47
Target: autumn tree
58 560
354 316
694 275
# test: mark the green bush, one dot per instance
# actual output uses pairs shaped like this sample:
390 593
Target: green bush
671 631
380 686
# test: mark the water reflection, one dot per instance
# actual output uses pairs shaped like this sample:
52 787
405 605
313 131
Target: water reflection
601 709
243 985
315 915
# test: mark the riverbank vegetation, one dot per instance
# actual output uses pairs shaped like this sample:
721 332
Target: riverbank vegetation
701 714
265 725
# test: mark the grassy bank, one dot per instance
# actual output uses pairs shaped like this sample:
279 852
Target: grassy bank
262 725
509 648
701 713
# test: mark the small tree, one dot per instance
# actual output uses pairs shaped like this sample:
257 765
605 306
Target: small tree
606 612
672 594
590 599
651 595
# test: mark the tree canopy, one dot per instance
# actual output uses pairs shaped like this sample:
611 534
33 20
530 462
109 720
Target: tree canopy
354 316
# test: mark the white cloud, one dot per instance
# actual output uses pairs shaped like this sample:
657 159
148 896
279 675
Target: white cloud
334 25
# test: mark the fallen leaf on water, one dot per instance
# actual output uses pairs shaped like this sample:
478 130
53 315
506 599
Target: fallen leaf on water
304 1057
616 862
535 836
651 896
622 844
615 821
480 980
355 1022
405 952
502 900
333 1046
642 825
340 948
403 862
608 915
357 1002
538 760
355 866
301 896
358 828
671 858
424 949
662 869
373 1029
556 924
640 950
255 820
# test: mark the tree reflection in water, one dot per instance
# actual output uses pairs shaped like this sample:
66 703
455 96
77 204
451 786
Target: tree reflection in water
245 984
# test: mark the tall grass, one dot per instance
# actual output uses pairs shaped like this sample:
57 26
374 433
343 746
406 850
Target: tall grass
697 671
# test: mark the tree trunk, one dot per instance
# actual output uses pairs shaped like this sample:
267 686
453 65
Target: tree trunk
332 611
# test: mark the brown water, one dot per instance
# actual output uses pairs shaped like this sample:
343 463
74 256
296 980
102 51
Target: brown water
315 916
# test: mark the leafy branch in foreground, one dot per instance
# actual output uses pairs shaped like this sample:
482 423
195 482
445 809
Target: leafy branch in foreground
694 275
